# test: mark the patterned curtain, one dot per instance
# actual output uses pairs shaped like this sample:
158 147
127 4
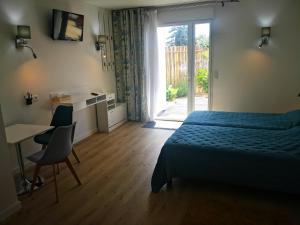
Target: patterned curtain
128 30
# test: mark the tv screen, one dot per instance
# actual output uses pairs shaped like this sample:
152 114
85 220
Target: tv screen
67 26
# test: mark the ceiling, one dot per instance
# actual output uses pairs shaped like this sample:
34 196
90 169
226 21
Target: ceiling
117 4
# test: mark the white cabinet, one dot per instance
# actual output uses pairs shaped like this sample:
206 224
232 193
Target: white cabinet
110 114
117 115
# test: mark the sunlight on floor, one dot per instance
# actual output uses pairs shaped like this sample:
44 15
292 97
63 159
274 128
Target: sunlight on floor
177 110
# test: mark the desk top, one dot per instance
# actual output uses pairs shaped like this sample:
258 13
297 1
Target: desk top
79 101
77 98
20 132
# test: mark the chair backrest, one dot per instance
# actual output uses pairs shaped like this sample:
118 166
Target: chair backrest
60 145
63 116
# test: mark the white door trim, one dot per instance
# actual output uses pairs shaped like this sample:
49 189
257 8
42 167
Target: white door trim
191 60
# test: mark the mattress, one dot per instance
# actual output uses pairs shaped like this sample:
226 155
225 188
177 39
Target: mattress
267 159
245 120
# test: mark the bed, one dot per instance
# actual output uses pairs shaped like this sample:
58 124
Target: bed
268 159
246 120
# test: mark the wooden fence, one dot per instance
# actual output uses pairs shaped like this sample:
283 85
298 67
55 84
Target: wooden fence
177 63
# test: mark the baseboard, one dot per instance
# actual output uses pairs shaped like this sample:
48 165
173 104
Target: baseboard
4 214
116 125
85 135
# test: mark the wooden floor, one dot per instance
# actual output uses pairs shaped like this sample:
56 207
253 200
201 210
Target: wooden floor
116 170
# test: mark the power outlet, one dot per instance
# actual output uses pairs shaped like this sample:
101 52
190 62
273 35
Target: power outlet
35 98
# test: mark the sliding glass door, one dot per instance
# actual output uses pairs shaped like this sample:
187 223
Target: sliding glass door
184 56
201 67
173 53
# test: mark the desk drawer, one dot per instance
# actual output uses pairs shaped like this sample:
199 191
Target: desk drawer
111 107
101 98
91 101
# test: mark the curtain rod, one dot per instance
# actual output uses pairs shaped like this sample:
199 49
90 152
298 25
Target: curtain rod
186 5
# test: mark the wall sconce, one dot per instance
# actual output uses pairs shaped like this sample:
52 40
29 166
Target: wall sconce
265 36
101 42
23 34
101 46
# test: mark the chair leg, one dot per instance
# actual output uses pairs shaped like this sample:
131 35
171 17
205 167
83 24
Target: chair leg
35 174
58 169
72 170
75 155
55 182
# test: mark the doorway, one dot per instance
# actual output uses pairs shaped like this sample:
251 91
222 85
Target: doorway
184 56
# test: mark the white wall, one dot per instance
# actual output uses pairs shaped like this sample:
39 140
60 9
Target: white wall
60 66
251 79
9 203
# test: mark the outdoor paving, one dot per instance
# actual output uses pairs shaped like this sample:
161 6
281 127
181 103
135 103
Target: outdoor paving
177 110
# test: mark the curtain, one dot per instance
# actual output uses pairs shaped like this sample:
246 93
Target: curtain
128 31
151 61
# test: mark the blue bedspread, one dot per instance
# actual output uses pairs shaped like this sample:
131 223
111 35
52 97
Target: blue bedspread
252 157
246 120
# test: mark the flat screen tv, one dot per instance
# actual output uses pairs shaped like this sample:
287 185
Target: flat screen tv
67 26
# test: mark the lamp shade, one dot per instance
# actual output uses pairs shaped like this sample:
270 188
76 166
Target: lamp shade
23 32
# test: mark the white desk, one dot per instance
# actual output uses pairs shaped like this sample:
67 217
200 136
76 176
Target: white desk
109 114
17 133
80 101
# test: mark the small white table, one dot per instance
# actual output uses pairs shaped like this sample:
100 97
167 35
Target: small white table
17 133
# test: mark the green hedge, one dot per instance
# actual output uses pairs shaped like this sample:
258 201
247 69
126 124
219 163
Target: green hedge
202 79
171 93
181 90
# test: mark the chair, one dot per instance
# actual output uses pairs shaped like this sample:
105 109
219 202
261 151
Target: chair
57 151
63 116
